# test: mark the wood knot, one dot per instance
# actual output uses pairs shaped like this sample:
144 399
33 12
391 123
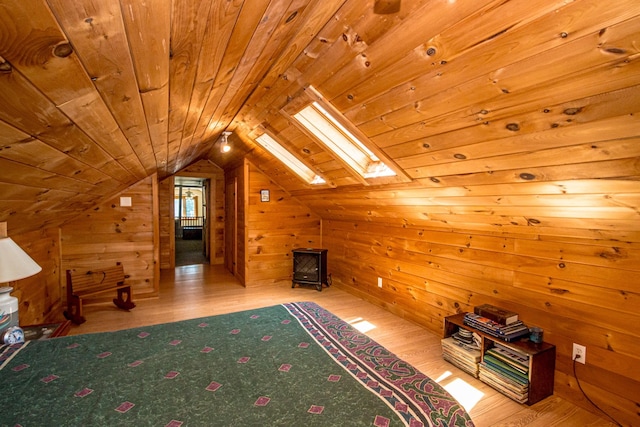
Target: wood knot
616 50
460 156
513 127
572 111
527 176
63 50
292 16
431 51
5 67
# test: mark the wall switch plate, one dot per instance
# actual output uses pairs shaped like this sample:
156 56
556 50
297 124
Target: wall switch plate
579 350
125 201
379 282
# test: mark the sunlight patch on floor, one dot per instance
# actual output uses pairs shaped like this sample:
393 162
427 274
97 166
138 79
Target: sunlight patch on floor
362 325
466 394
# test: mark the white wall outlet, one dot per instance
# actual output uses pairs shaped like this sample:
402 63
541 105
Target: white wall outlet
379 282
125 201
579 353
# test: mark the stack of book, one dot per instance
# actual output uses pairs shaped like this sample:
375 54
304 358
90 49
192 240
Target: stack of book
510 332
464 355
507 370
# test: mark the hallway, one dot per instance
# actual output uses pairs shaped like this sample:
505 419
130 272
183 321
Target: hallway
189 252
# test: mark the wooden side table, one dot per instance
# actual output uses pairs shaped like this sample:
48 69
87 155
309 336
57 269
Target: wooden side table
45 331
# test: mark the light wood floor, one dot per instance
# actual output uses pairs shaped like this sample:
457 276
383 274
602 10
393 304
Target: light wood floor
203 290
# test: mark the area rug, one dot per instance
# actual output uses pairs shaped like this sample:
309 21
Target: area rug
287 365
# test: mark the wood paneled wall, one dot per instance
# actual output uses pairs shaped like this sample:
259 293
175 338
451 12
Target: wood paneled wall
274 228
111 233
236 181
167 232
217 220
579 283
40 297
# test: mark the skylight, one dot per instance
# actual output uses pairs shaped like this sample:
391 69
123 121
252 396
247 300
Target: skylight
335 136
292 162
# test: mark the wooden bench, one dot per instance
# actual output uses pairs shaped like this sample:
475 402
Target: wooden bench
88 284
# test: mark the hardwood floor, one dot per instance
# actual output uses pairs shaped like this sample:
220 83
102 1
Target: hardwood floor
204 290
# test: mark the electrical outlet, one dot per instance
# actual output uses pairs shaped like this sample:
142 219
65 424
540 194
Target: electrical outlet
579 353
379 282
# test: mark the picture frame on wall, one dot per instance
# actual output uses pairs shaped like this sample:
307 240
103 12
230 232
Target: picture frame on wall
264 195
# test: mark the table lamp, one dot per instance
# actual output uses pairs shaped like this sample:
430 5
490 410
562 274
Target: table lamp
15 264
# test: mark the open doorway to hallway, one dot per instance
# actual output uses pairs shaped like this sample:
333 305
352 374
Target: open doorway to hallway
190 218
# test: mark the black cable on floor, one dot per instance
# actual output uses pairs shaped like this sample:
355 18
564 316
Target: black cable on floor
587 397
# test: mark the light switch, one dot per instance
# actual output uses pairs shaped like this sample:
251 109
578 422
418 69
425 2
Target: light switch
125 201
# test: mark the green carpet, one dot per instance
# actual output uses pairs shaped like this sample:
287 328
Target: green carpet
293 364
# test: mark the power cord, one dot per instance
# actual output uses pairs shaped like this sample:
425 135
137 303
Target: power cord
587 397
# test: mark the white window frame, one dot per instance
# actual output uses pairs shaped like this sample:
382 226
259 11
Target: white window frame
270 144
325 124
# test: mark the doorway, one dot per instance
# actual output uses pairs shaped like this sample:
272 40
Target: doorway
190 219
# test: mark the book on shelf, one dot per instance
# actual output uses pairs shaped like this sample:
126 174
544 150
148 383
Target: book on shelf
488 371
505 369
509 354
511 332
497 314
461 355
518 392
517 372
459 348
517 366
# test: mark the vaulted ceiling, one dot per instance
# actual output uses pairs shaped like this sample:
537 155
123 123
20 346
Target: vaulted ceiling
98 94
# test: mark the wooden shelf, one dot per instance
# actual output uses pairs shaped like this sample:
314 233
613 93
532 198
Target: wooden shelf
542 356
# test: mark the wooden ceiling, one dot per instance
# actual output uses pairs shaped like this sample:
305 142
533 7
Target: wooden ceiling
534 99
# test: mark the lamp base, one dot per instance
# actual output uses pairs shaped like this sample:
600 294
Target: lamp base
8 309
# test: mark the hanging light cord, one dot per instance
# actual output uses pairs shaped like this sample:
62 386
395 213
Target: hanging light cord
587 397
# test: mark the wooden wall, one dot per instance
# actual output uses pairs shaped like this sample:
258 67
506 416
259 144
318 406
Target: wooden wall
274 228
40 297
111 233
577 278
236 182
166 229
217 221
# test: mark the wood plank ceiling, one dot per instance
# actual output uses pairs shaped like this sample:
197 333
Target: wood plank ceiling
534 99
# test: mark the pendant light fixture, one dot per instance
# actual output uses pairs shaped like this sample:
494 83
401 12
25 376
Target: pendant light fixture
224 142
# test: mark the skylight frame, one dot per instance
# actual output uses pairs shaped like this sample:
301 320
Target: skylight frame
366 162
307 174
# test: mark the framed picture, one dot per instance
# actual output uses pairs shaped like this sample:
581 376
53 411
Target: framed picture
264 195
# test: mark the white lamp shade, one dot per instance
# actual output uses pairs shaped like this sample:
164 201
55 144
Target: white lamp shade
15 264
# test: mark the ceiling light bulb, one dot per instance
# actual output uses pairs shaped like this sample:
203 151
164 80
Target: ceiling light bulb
225 147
